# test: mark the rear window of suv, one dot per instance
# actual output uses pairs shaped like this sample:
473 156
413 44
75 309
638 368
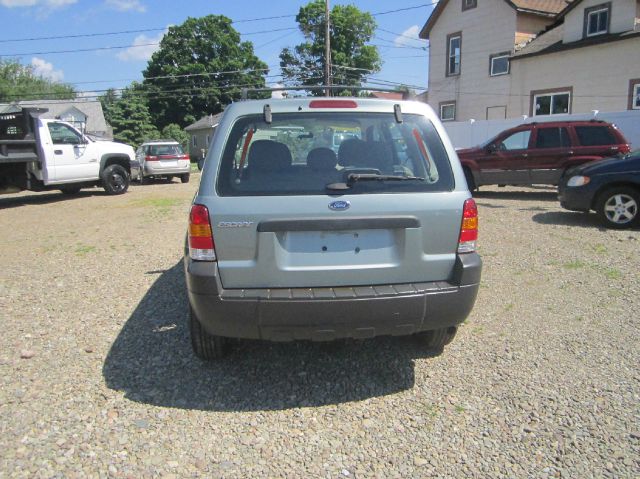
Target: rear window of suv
595 135
360 152
158 150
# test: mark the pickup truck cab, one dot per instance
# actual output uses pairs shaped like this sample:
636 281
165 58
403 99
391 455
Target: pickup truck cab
539 153
40 154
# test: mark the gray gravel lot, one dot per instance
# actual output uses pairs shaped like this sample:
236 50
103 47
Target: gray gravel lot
97 378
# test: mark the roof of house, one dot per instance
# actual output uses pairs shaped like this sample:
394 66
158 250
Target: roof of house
92 109
551 42
546 8
387 95
206 122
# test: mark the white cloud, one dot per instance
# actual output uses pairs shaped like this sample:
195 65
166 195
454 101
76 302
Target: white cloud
126 5
277 94
408 37
49 4
141 49
45 70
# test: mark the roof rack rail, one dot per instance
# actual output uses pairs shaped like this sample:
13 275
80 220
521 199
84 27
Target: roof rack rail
406 94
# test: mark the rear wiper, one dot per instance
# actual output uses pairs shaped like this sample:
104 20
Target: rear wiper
354 177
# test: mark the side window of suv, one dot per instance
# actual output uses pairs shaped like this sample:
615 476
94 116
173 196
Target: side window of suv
595 135
516 141
552 138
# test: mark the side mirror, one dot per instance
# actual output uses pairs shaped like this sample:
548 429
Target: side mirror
491 148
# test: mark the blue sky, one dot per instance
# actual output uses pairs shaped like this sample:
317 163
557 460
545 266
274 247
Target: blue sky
102 66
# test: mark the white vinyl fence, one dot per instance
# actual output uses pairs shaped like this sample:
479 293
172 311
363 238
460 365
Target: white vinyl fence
464 134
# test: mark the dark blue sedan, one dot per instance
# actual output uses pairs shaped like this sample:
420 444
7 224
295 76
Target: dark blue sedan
610 186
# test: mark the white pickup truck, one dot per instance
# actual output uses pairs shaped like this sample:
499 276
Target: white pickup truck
40 154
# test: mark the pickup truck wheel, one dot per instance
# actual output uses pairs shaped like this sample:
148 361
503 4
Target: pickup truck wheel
205 346
115 180
185 178
437 339
617 207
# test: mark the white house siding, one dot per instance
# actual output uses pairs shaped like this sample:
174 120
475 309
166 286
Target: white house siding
487 29
623 15
599 76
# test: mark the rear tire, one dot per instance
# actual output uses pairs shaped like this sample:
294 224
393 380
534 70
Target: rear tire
115 180
205 346
618 207
185 178
437 339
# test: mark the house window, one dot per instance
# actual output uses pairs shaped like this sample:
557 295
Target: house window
551 102
194 141
499 64
469 4
634 94
596 20
448 111
454 47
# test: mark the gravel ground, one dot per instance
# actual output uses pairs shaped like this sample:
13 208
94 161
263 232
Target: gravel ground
97 378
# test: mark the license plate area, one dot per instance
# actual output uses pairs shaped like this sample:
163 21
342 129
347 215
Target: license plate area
322 249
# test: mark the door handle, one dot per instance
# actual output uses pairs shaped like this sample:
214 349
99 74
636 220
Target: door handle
93 161
570 152
57 152
525 155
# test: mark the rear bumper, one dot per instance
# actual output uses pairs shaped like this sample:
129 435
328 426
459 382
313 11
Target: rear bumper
321 314
152 170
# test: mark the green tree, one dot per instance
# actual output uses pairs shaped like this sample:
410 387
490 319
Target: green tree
175 132
350 30
201 66
20 82
129 116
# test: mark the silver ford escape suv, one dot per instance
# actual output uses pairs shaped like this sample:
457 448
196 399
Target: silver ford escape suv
326 218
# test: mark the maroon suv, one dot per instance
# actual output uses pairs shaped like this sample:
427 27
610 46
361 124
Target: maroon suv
538 153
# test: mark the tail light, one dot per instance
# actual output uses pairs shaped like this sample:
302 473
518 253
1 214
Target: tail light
469 227
184 157
150 158
201 246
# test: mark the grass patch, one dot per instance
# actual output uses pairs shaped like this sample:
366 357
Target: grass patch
459 408
600 249
613 273
576 264
85 249
508 307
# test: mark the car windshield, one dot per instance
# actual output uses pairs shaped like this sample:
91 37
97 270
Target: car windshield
160 150
323 153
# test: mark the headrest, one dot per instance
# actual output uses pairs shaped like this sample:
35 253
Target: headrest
268 155
352 152
322 159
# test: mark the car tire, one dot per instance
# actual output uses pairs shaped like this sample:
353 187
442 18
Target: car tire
115 180
471 184
205 346
437 339
617 207
70 190
185 178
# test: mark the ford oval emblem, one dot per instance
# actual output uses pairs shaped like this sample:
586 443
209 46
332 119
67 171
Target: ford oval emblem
339 205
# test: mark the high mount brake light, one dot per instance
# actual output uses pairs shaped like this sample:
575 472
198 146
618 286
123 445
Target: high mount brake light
333 104
469 227
201 245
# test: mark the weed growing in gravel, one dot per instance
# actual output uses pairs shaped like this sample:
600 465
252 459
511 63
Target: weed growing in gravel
460 408
84 249
600 249
508 307
576 264
613 273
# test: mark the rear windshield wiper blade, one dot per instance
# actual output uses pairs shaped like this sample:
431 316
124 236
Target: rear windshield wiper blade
354 177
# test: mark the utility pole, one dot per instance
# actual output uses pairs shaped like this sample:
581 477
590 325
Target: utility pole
327 50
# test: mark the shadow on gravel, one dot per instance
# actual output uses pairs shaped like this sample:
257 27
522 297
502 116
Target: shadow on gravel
42 199
531 193
151 361
569 218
